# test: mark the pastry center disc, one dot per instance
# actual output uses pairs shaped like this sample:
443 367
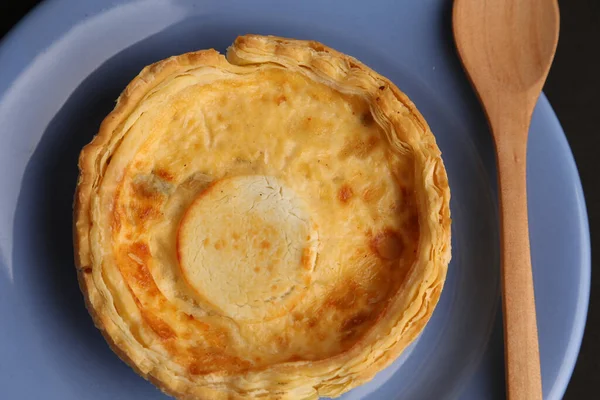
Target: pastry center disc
247 246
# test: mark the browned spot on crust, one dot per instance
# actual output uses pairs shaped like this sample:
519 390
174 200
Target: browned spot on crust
343 296
171 345
368 195
387 244
347 305
202 326
203 361
143 190
306 256
404 193
87 270
352 326
160 327
186 335
214 344
219 244
274 287
141 250
136 274
354 321
372 142
345 193
359 148
142 277
146 212
367 119
282 341
257 269
115 221
411 226
295 358
373 193
206 241
395 206
235 236
265 244
280 99
216 338
163 174
408 197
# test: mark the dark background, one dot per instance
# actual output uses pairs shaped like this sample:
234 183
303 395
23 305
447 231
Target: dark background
572 88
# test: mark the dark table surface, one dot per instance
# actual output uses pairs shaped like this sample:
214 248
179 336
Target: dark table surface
572 88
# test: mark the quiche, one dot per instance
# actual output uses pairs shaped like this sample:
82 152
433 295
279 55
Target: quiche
272 223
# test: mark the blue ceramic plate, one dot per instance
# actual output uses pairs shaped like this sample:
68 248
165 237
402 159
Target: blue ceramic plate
62 69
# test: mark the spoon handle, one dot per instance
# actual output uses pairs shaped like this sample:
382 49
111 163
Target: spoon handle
520 328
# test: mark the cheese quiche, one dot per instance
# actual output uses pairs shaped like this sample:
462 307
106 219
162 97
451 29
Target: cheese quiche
272 223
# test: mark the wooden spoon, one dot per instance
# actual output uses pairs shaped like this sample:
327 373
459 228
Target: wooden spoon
506 47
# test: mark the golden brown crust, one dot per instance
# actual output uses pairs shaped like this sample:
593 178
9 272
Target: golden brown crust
404 316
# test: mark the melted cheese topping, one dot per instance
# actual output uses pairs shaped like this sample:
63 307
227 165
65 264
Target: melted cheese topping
248 217
321 144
